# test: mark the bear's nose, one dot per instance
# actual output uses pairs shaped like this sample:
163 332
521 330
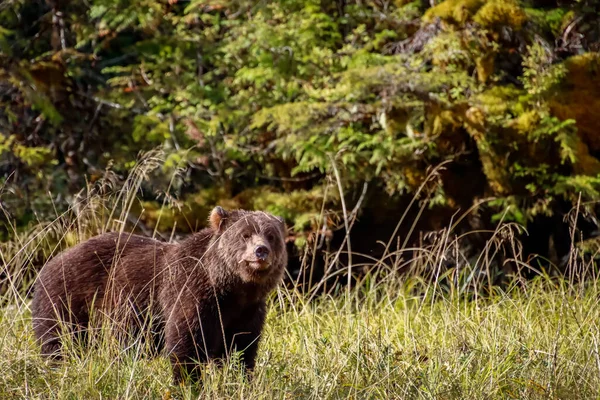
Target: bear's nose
261 252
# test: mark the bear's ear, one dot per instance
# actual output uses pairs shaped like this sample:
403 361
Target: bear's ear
282 223
217 217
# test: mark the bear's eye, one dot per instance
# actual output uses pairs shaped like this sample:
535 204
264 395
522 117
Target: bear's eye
270 237
246 236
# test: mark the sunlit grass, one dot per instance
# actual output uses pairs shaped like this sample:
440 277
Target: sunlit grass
389 342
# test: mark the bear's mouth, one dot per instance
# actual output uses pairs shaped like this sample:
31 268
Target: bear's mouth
258 265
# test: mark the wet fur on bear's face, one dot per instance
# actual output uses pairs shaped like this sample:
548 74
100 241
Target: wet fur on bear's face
251 244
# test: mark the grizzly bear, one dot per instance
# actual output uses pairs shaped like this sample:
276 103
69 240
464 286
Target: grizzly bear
203 298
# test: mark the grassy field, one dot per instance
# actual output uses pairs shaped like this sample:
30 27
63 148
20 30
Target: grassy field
399 338
396 340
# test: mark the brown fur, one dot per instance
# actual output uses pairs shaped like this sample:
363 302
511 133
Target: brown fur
207 294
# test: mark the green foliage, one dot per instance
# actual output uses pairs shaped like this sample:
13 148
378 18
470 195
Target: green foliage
548 20
31 156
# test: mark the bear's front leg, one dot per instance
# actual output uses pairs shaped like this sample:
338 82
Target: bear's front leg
191 342
244 335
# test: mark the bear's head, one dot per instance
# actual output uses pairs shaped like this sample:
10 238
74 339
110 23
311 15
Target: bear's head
251 244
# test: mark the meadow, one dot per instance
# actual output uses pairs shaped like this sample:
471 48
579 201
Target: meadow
398 339
430 332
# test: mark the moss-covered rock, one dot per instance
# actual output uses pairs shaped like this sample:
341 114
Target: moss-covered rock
578 97
496 14
454 11
490 14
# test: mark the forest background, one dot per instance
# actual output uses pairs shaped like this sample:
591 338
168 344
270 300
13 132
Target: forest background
342 114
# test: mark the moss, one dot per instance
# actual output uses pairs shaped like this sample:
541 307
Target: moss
499 13
583 70
402 3
578 97
494 165
499 99
526 122
585 163
453 11
413 176
491 14
444 122
447 51
394 121
485 66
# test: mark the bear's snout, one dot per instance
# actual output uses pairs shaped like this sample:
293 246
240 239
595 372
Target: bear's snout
261 252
